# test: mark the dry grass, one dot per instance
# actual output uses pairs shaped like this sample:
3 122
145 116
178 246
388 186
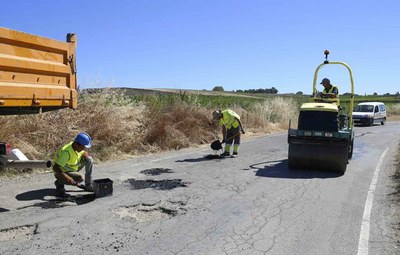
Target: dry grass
116 129
393 110
180 126
272 115
122 127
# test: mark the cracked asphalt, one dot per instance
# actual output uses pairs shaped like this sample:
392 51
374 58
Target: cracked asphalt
182 203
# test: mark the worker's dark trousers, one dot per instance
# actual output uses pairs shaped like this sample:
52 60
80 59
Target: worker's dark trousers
232 132
232 136
78 177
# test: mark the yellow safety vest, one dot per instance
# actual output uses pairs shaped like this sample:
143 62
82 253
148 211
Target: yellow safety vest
229 119
68 159
330 90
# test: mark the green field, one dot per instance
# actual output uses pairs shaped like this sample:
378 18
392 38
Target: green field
160 99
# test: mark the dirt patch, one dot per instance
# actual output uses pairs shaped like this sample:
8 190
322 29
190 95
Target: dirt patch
156 184
395 197
156 171
149 211
18 233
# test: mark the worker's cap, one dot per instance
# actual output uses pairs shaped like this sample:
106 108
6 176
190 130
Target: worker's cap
325 80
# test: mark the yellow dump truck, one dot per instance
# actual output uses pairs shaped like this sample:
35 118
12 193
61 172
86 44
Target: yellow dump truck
37 74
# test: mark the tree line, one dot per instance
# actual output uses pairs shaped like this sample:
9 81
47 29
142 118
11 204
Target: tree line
272 90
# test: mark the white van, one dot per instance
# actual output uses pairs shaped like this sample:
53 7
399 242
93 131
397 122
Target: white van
369 113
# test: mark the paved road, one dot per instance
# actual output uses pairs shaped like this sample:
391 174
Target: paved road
181 203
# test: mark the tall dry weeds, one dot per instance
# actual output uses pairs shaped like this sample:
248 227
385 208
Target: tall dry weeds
393 109
121 127
272 114
180 125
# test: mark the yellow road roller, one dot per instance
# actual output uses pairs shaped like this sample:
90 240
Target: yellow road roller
324 137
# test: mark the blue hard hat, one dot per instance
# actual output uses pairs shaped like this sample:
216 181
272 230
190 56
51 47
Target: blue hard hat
83 139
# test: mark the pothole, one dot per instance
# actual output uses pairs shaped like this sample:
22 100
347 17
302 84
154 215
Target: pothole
157 171
25 232
149 211
156 184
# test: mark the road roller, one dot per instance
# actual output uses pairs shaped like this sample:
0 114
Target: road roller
324 137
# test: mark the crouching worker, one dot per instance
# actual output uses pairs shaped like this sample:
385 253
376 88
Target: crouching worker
231 129
69 160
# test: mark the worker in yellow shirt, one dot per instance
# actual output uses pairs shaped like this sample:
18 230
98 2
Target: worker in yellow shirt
231 129
69 160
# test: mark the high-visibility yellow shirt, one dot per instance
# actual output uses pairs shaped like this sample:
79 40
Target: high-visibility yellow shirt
330 90
68 159
229 119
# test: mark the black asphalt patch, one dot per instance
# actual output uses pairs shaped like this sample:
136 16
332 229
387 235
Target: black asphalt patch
204 158
156 184
3 210
213 156
157 171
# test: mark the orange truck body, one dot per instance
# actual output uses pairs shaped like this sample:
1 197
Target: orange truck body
37 74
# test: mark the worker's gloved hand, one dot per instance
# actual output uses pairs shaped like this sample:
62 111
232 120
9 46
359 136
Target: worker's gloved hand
223 141
243 132
85 155
72 182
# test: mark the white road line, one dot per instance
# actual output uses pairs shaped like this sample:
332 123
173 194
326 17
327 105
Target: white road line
364 233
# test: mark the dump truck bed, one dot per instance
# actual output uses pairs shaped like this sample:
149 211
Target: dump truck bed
36 73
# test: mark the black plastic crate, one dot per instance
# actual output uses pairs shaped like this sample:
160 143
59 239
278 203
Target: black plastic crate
103 187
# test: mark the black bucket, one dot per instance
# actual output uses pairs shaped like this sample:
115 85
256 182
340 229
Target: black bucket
103 187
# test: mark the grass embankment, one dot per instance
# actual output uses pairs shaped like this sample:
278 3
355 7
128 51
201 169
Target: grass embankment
127 125
396 177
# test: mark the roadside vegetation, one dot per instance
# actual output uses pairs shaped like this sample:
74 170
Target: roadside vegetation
124 124
129 122
396 175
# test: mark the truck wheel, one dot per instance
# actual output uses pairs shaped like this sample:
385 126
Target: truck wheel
371 122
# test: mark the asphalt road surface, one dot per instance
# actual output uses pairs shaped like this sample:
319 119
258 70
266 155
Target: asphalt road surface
183 203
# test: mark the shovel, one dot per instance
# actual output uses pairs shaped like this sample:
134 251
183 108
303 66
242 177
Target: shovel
217 145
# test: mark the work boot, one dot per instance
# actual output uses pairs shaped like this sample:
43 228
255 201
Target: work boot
60 192
89 187
225 154
235 153
85 187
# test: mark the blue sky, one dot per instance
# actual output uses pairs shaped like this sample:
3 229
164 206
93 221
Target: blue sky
237 44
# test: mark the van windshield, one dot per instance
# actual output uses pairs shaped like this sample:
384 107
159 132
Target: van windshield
364 108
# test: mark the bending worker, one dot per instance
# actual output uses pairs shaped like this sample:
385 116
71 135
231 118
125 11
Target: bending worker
231 129
69 160
330 91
